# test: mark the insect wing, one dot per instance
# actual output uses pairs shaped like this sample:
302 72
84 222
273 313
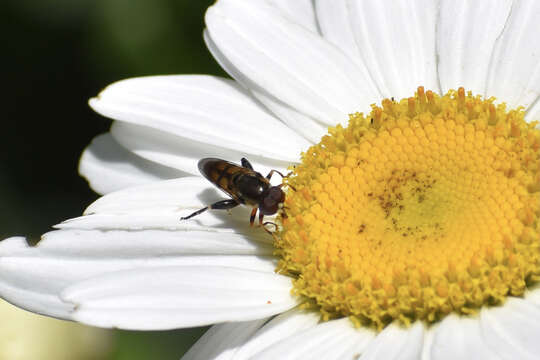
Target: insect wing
220 172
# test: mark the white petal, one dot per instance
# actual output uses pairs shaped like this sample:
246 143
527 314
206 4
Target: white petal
206 109
336 339
299 11
336 23
33 277
160 197
534 296
336 27
514 76
513 330
466 34
172 297
109 167
395 342
291 63
159 206
212 229
279 328
45 273
460 338
222 341
397 43
29 286
533 113
182 153
149 243
428 342
304 125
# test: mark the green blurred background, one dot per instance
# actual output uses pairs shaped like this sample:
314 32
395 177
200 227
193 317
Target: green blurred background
56 55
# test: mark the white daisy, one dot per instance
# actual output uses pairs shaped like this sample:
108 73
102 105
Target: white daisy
418 223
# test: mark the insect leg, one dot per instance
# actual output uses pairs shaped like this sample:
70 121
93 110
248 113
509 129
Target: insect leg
288 185
246 164
284 213
220 205
224 204
252 217
283 176
269 176
268 231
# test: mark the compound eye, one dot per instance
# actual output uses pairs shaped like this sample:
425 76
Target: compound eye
276 194
268 207
271 201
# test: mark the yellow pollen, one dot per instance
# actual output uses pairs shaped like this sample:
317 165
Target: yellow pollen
423 207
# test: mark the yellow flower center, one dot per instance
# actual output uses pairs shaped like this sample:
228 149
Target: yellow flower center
424 207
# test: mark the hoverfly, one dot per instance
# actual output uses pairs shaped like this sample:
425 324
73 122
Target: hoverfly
244 185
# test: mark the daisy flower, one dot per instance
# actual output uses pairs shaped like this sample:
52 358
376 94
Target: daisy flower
412 231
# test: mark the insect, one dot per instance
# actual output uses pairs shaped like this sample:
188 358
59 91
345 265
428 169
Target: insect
244 185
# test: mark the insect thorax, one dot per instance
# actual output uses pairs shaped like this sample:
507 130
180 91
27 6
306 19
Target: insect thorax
250 187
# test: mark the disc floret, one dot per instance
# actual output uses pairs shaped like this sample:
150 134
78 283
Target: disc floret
423 207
